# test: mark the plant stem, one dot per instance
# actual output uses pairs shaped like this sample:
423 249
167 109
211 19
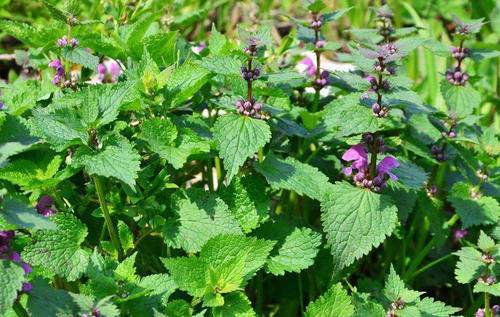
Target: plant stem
19 309
431 264
487 311
425 251
318 72
249 82
301 295
260 155
373 158
107 217
210 174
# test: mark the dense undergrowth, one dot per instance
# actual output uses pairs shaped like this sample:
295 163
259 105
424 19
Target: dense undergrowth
270 158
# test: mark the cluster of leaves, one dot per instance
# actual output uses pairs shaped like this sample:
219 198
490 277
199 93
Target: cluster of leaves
168 200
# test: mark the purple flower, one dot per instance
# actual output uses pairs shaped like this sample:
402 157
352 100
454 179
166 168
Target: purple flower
45 206
358 155
27 287
108 71
26 267
320 44
199 48
1 105
63 41
459 234
386 165
14 256
73 42
310 67
60 74
480 313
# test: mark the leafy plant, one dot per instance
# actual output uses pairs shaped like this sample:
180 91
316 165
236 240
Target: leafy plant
265 158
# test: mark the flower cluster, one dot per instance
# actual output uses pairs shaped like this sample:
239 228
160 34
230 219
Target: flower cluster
482 313
459 234
394 307
384 58
384 19
108 71
323 80
316 21
64 41
45 206
2 105
60 74
439 152
456 76
7 253
250 74
249 108
364 172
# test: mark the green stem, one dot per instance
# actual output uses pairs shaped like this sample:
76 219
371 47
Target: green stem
218 170
107 217
210 174
19 309
301 295
425 251
487 311
431 264
260 155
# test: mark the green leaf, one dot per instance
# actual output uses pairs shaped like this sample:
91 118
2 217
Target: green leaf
159 133
58 251
335 15
14 138
126 236
314 5
223 248
485 243
190 274
296 253
55 12
239 137
60 127
125 271
291 174
19 214
80 56
410 175
355 221
162 48
472 212
395 289
218 43
461 100
178 308
493 289
223 65
335 302
11 279
236 304
200 216
118 159
47 301
432 308
469 266
247 202
184 82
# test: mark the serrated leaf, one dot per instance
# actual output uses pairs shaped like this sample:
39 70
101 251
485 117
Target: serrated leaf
291 174
296 253
19 214
469 266
60 127
59 251
410 175
11 279
80 56
118 159
355 221
247 202
14 138
432 308
162 48
461 100
485 243
178 308
190 274
47 301
472 212
239 137
201 215
493 289
223 248
125 271
222 65
236 304
395 289
335 302
184 82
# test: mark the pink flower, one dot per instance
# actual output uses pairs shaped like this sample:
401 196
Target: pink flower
108 71
358 155
386 165
459 234
310 67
